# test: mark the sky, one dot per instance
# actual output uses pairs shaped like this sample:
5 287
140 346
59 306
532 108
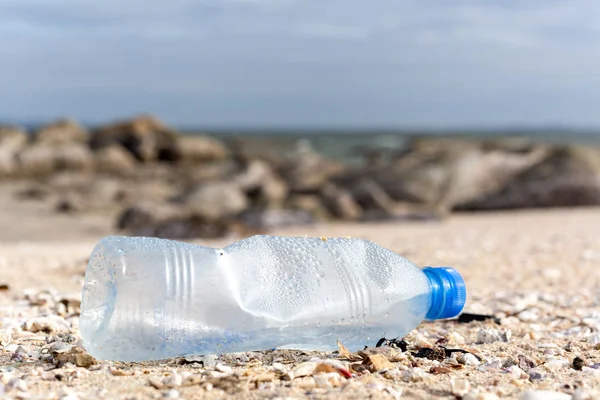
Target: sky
303 63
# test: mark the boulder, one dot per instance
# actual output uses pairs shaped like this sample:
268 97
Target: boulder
199 149
308 171
448 172
340 203
12 139
155 190
147 214
145 137
169 221
476 175
309 203
371 197
115 160
84 192
567 176
71 203
213 201
40 160
61 132
262 184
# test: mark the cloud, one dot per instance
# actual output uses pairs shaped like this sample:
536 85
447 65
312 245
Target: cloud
303 61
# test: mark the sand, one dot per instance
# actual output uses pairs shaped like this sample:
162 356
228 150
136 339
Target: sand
537 271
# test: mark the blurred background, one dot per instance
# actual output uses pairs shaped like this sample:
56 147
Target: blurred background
214 118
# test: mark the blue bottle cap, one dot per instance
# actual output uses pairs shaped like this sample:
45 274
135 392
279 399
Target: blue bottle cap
448 292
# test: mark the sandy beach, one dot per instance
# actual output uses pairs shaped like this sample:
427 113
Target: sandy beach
536 271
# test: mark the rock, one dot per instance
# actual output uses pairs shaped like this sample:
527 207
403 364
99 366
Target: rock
61 132
114 159
171 394
214 201
312 204
198 149
516 372
459 387
157 191
449 172
75 356
12 137
544 395
414 375
566 176
71 203
477 174
73 157
224 369
307 171
262 184
492 335
340 203
173 380
468 359
371 196
169 221
50 324
147 214
578 363
84 360
266 219
83 192
145 137
8 162
40 160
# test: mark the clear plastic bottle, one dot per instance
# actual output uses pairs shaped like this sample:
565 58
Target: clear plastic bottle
149 299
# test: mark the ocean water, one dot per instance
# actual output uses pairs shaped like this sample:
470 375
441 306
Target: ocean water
355 147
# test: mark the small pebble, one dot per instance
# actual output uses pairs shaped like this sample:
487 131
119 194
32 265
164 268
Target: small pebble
171 394
173 380
459 387
224 369
517 372
467 359
492 335
414 375
578 363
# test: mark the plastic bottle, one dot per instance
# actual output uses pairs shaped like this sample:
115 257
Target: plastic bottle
149 299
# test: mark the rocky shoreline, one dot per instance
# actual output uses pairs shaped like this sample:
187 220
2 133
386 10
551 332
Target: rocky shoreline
156 181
